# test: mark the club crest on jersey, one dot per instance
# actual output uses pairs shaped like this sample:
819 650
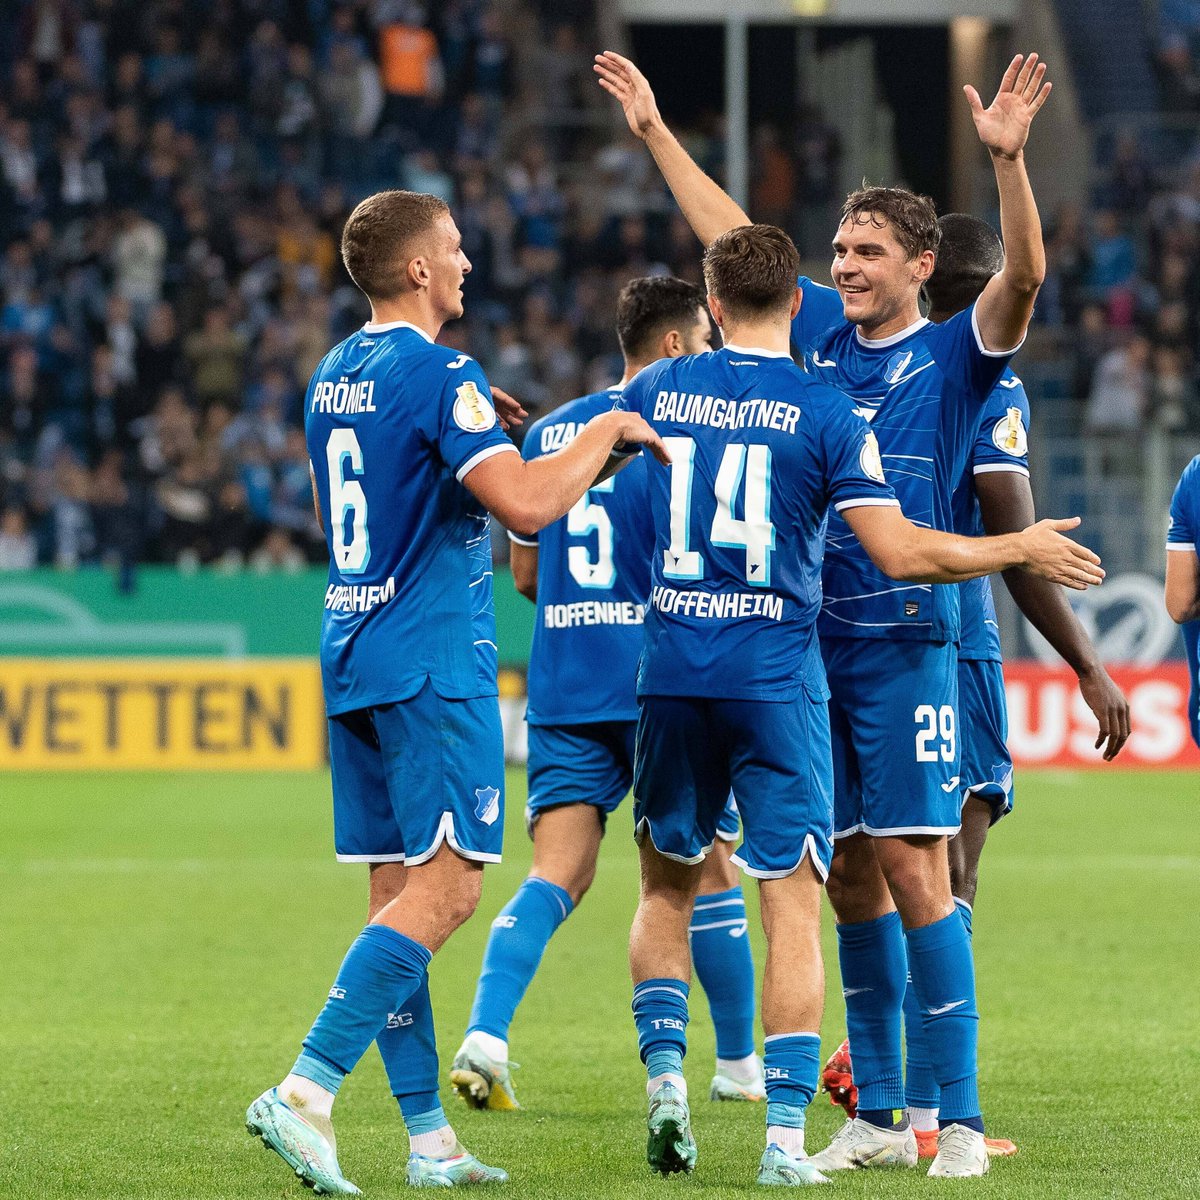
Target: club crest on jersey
1009 434
487 804
897 365
472 410
871 460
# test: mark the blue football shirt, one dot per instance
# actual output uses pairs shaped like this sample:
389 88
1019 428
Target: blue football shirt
1183 537
921 390
759 453
1001 444
592 583
394 422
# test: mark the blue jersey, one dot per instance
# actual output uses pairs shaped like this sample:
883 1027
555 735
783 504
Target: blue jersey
1183 537
592 583
394 423
921 390
1001 444
759 452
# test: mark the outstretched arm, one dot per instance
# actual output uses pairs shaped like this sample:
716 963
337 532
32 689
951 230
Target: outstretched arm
1006 505
907 551
708 210
1006 305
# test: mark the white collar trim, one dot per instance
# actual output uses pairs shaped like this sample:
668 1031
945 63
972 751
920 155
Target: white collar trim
883 343
388 326
755 350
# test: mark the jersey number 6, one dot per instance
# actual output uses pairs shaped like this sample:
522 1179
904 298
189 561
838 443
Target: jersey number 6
347 499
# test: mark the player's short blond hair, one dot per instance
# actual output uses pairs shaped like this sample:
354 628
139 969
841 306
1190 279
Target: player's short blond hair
378 239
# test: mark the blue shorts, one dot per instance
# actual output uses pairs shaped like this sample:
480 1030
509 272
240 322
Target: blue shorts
987 770
895 742
590 764
409 775
691 752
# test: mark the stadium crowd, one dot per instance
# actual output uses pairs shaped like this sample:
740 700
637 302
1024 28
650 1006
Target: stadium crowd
174 179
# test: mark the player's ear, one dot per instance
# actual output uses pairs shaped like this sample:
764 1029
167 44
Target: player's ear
714 307
418 272
923 267
796 299
671 345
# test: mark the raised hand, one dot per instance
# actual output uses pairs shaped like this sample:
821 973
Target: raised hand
1004 126
1058 558
620 78
509 410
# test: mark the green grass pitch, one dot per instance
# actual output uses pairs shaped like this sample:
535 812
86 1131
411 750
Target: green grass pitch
166 941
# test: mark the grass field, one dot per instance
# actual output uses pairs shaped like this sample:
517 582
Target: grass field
166 941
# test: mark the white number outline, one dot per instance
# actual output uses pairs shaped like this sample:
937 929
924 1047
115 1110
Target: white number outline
937 724
584 517
347 495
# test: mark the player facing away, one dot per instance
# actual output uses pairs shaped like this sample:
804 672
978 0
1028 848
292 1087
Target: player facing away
408 457
890 650
589 575
731 683
994 496
1183 578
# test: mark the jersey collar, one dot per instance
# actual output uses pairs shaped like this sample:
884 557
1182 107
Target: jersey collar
388 326
757 351
883 343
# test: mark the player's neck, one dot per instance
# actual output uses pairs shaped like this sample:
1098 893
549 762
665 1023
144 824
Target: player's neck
759 335
909 315
409 309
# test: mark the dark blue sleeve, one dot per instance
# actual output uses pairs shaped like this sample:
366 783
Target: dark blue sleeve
1002 443
1181 534
462 421
853 467
820 308
957 348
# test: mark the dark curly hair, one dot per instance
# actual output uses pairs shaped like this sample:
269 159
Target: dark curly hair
913 218
970 253
649 307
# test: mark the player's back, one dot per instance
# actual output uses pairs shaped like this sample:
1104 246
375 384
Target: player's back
759 451
1001 445
393 423
592 583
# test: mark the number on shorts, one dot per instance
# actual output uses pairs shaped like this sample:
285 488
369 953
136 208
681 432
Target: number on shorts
936 725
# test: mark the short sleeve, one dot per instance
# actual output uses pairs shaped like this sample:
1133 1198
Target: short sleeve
854 475
467 429
531 448
1002 442
1181 534
957 348
820 309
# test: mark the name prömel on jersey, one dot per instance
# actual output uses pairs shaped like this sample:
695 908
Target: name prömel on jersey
343 397
692 408
346 597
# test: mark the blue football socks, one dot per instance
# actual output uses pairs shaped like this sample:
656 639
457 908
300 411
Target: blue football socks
943 976
660 1012
725 968
872 959
408 1047
791 1064
516 943
381 970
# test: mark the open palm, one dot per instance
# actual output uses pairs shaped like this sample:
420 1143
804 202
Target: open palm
1004 126
621 79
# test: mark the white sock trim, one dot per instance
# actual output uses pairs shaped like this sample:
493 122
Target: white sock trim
741 1070
656 1081
495 1048
306 1096
788 1138
774 1037
437 1143
923 1119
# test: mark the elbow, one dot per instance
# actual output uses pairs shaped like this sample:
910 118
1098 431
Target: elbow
1179 613
525 520
527 588
896 564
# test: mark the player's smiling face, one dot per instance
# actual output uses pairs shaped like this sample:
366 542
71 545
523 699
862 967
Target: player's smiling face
877 281
448 266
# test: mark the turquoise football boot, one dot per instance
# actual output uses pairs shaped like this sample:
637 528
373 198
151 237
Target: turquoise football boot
462 1170
779 1169
670 1146
305 1149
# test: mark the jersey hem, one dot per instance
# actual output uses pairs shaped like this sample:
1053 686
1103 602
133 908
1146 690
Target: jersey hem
625 717
398 697
476 459
992 468
1181 546
512 537
866 502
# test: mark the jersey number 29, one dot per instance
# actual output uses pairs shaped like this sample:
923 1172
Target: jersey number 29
347 499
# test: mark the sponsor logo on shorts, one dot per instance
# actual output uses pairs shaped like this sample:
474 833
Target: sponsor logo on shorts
487 804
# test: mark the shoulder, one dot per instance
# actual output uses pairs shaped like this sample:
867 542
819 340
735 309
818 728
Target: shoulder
1190 479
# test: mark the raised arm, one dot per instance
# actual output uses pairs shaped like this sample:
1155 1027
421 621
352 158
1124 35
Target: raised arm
708 210
907 551
527 496
1006 505
1004 308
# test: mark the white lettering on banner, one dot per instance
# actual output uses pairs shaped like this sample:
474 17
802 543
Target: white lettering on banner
689 408
344 398
1155 710
1037 729
592 612
718 605
358 597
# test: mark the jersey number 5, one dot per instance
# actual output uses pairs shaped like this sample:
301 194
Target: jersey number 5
749 465
347 499
585 517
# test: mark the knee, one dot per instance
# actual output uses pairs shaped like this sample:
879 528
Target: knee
459 900
575 881
964 881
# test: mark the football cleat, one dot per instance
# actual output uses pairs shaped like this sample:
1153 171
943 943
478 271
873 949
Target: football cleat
670 1146
780 1169
725 1087
482 1082
462 1169
303 1147
860 1144
927 1145
961 1154
837 1080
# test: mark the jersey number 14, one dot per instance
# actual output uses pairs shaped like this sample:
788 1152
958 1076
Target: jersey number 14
743 469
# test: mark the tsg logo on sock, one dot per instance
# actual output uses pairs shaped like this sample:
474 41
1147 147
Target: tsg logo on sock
337 993
399 1020
668 1023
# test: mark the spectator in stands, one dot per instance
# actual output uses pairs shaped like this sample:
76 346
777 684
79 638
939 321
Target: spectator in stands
1120 393
18 547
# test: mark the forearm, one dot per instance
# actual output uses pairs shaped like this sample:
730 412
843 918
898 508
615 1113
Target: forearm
706 207
1045 606
1020 226
553 483
930 556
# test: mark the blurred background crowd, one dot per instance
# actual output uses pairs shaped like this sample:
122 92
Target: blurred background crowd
173 182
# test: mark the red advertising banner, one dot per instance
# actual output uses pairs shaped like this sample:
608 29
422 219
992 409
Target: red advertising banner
1049 725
